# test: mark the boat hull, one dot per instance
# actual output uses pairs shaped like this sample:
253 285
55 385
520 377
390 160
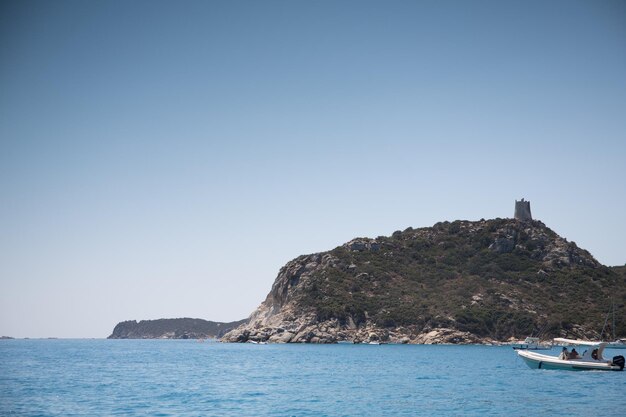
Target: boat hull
539 361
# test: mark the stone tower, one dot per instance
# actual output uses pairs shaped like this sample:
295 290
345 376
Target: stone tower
522 210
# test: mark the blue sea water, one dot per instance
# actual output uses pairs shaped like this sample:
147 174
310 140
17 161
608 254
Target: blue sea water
187 378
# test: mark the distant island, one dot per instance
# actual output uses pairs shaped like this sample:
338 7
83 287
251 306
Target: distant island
486 281
180 328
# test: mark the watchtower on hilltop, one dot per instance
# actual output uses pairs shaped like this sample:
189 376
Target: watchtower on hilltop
522 210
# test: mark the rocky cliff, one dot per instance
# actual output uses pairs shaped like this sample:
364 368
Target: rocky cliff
459 282
183 328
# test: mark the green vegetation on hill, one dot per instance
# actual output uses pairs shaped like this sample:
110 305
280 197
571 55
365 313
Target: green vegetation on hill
497 278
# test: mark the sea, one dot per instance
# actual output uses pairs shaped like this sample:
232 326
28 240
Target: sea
62 377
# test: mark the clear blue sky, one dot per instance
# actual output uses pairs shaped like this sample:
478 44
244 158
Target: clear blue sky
165 159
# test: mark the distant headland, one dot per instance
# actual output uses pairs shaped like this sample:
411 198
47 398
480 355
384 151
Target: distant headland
181 328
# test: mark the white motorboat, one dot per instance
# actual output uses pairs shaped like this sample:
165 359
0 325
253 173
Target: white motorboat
531 343
591 358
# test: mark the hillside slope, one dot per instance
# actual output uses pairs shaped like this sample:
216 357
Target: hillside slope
458 282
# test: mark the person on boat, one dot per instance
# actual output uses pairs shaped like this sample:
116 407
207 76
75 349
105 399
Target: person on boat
574 354
594 354
564 354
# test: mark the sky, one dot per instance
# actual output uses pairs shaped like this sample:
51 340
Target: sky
164 159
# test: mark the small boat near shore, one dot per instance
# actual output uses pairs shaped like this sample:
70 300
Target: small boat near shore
531 343
617 344
591 359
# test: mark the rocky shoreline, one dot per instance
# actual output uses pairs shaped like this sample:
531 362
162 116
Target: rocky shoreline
328 335
286 327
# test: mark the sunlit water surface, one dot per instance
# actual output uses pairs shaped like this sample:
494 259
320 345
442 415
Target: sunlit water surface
188 378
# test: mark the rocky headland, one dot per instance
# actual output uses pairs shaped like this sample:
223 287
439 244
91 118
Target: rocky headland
486 281
182 328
